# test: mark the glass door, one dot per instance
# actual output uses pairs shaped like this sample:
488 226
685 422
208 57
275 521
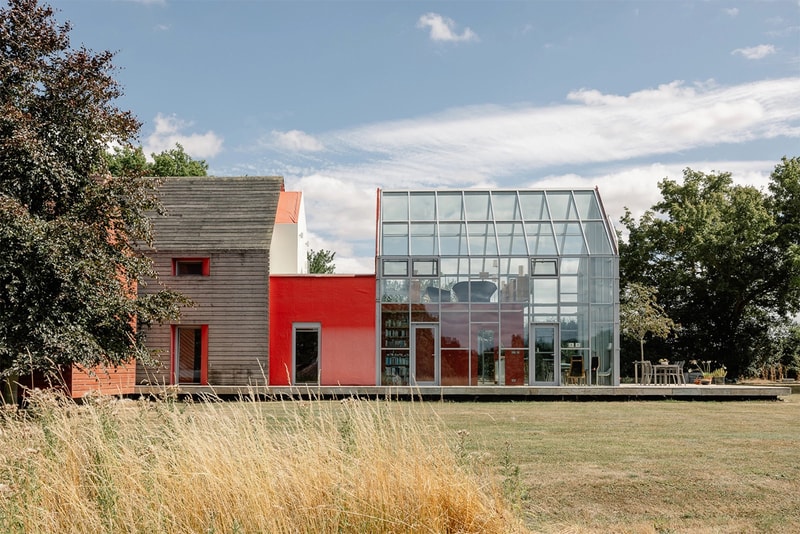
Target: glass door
305 353
545 354
425 355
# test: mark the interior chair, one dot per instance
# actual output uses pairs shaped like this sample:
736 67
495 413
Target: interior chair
576 374
604 375
594 367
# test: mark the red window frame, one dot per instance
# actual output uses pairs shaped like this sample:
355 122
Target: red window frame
204 262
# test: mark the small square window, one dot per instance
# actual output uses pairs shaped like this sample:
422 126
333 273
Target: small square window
395 267
425 268
543 267
191 267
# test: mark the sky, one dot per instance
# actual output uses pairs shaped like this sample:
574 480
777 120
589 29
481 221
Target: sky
344 97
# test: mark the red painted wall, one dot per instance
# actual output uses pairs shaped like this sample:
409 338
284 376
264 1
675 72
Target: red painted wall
344 305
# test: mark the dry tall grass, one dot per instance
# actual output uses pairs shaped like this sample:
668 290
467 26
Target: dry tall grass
131 466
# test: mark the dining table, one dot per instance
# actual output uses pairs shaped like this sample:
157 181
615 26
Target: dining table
668 373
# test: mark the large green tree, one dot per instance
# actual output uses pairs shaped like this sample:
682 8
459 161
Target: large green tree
723 258
172 162
69 264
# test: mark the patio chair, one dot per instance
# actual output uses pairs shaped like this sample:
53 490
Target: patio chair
576 374
647 372
604 375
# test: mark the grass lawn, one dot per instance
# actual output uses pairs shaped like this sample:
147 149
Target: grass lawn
329 466
666 466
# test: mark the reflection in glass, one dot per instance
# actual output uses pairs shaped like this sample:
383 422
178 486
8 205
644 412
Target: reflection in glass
561 205
423 206
394 206
533 206
587 205
423 239
506 207
450 206
476 205
511 239
540 239
453 238
395 239
570 238
597 238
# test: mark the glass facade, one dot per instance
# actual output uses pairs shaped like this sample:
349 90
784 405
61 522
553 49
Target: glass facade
501 287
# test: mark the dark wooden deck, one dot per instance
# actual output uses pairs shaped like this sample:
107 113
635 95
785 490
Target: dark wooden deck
624 392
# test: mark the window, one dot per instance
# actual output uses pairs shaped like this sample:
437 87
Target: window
395 267
426 268
191 267
544 268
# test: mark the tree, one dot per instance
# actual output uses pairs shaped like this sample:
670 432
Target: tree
173 162
176 162
320 261
722 258
69 263
640 315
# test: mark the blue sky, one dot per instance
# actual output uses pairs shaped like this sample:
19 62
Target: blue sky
344 97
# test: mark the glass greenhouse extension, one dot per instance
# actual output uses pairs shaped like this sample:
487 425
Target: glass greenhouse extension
500 287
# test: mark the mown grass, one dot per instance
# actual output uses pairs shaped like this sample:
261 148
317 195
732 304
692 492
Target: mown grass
646 467
166 467
380 466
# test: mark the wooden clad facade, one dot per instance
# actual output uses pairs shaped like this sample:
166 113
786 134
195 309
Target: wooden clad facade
213 246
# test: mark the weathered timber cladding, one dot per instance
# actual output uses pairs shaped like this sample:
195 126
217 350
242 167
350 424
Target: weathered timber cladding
229 221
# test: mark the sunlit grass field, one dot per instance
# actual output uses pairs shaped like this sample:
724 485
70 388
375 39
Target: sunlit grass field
388 466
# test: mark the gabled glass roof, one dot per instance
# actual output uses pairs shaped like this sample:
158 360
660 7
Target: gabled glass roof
493 223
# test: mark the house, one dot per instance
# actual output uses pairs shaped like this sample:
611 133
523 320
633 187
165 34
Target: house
213 245
473 287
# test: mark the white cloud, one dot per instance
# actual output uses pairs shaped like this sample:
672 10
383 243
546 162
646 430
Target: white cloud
518 146
161 27
755 52
296 141
732 12
443 29
169 130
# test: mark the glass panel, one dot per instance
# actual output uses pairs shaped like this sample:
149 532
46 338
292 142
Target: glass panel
423 239
306 356
453 237
561 205
545 291
394 207
571 266
587 205
597 238
603 313
425 354
540 239
544 351
423 207
602 267
450 207
486 338
477 207
482 241
570 238
506 207
533 206
395 239
569 289
395 268
544 268
455 367
511 239
602 290
394 290
425 268
425 313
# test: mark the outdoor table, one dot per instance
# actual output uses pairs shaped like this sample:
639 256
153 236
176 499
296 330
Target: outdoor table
664 373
